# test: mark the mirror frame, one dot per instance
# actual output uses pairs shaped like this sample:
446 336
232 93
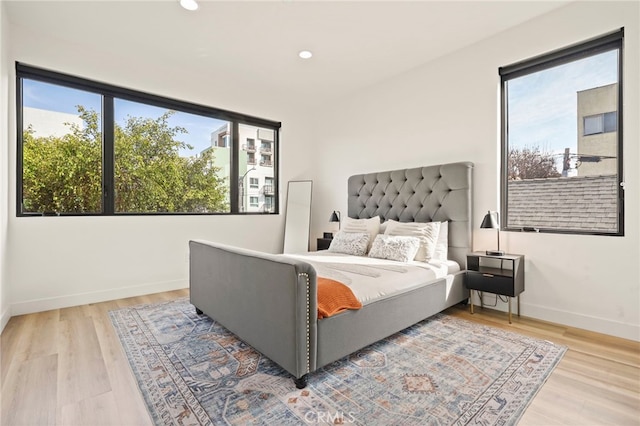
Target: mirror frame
298 216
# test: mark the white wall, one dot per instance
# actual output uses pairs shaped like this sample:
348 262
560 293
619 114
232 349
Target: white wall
448 110
63 261
4 174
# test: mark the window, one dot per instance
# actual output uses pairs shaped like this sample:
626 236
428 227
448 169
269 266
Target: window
87 148
265 160
562 140
254 202
250 145
610 122
265 147
268 204
267 189
268 194
254 183
601 123
593 124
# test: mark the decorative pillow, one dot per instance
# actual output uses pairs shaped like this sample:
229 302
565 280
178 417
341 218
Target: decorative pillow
402 249
370 226
354 243
442 245
426 232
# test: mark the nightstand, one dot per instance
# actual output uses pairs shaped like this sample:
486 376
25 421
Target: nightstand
323 243
503 275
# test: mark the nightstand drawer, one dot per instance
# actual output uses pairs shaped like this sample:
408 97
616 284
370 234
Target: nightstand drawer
490 283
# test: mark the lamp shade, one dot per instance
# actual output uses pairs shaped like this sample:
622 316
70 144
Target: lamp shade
490 221
335 216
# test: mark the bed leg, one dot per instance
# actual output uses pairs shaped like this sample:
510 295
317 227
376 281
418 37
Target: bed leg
199 312
301 382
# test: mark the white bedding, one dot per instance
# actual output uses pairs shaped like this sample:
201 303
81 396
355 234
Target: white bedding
370 279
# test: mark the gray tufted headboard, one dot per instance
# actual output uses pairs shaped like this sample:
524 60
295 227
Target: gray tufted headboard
422 194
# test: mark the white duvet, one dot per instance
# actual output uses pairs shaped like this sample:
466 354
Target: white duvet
370 279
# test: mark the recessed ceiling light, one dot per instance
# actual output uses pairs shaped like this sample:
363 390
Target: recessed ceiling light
305 54
189 4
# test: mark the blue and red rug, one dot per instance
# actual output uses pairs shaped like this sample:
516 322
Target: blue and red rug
441 371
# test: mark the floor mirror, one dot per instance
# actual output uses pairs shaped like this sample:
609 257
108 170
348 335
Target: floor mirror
298 217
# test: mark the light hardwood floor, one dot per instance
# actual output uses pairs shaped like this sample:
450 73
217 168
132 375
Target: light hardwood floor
67 367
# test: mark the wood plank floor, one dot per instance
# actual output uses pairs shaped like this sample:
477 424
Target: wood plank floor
67 367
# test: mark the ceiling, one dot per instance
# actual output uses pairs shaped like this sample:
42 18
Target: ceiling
355 44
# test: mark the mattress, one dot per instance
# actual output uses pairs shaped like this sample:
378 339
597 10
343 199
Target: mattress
372 279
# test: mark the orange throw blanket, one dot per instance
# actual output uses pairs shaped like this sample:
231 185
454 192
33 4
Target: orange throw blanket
334 297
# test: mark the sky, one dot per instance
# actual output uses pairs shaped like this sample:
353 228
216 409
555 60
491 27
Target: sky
543 106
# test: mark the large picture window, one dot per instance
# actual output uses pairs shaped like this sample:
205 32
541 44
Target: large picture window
562 140
87 148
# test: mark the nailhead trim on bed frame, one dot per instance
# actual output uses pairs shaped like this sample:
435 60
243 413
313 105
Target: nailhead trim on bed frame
306 277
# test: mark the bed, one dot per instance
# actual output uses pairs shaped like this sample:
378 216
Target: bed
270 301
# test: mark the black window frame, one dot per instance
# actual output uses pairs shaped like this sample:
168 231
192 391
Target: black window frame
601 44
109 93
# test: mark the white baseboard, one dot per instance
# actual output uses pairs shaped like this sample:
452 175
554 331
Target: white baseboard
572 319
586 322
4 319
46 304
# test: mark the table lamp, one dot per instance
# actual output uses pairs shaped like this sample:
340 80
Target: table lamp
490 221
335 217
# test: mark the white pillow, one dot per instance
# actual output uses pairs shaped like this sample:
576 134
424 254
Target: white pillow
370 226
402 249
442 245
354 243
426 232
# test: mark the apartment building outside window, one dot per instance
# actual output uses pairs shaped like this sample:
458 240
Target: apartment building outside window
562 140
256 163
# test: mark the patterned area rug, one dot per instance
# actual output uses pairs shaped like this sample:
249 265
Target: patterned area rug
441 371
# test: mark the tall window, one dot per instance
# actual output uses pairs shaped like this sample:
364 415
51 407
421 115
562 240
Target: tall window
90 148
562 140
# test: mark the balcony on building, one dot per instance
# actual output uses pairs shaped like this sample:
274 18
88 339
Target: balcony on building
265 147
267 190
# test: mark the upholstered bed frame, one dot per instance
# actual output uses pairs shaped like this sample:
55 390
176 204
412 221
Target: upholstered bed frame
269 301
